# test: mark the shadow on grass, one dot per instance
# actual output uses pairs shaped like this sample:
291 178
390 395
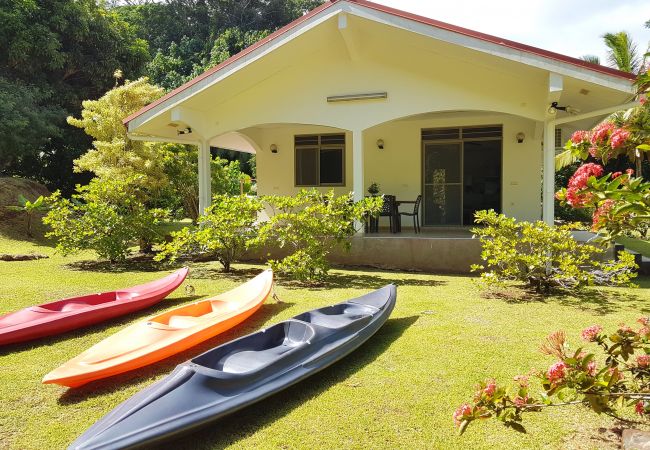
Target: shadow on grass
600 301
118 382
139 263
98 327
249 420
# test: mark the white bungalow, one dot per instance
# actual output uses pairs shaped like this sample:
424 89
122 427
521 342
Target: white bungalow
355 92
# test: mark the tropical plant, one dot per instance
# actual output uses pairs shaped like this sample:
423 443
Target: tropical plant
107 216
611 382
180 163
311 225
30 209
543 257
373 189
622 52
227 230
114 155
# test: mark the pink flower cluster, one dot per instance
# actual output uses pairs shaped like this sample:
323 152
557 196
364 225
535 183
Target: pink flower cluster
619 137
490 388
520 401
600 213
640 408
592 368
464 410
643 360
556 372
579 137
601 133
579 181
589 334
644 321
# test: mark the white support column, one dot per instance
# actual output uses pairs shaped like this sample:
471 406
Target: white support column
357 165
205 181
548 191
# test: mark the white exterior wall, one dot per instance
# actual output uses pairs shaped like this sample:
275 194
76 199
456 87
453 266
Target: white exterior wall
398 167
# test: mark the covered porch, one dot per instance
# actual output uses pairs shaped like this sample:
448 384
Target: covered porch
355 93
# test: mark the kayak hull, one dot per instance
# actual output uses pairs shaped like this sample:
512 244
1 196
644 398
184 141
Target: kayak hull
68 314
158 337
240 373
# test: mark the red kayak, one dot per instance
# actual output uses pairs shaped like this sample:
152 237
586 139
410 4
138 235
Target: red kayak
76 312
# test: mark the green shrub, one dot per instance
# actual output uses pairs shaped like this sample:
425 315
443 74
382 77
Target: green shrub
107 216
228 229
543 257
311 225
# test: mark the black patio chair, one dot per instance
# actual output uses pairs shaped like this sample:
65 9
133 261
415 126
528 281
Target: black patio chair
415 214
389 209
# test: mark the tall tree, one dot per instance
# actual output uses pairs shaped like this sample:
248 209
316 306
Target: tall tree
622 52
53 55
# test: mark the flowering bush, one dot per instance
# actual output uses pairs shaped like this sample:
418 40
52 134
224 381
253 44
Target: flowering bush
542 256
621 202
609 383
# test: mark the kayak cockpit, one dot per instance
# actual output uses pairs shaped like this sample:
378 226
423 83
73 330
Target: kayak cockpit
260 349
194 314
77 303
279 345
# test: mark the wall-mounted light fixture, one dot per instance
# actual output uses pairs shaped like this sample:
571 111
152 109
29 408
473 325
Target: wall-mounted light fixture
380 144
520 137
274 148
356 97
187 130
554 108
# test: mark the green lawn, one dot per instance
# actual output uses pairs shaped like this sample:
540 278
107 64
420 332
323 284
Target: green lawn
397 391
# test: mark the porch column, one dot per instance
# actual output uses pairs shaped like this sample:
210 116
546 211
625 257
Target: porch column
357 164
205 182
548 190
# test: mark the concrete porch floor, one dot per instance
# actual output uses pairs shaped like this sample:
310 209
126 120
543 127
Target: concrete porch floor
441 250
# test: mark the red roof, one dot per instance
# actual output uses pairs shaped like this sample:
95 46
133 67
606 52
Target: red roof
397 13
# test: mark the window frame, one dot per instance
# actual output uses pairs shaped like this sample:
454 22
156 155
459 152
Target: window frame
319 147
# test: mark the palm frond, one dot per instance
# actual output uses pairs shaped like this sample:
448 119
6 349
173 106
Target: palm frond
564 159
622 53
591 59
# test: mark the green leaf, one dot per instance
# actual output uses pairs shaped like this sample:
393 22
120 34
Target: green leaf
517 427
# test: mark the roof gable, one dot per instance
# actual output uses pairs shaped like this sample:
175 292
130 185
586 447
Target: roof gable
392 17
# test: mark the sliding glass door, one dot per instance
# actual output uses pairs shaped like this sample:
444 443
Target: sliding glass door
442 183
461 174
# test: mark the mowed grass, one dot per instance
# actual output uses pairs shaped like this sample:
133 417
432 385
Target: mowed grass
398 390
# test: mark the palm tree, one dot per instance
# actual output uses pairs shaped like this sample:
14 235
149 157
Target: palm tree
591 59
622 52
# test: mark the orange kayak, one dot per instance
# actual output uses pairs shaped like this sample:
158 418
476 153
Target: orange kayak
164 335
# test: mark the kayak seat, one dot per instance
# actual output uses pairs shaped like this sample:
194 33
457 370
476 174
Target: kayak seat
249 360
258 350
337 316
73 306
183 321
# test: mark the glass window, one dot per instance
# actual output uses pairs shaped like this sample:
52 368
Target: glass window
320 160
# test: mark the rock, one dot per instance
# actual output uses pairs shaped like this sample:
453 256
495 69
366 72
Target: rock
7 257
636 440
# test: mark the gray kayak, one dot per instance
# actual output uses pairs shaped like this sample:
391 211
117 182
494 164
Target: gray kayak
241 372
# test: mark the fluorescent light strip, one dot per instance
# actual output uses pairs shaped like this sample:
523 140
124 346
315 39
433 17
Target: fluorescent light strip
355 97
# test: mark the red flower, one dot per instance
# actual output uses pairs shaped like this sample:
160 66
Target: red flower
579 137
589 334
463 411
520 401
591 368
643 360
601 212
601 132
640 408
616 174
630 172
556 372
619 136
579 181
